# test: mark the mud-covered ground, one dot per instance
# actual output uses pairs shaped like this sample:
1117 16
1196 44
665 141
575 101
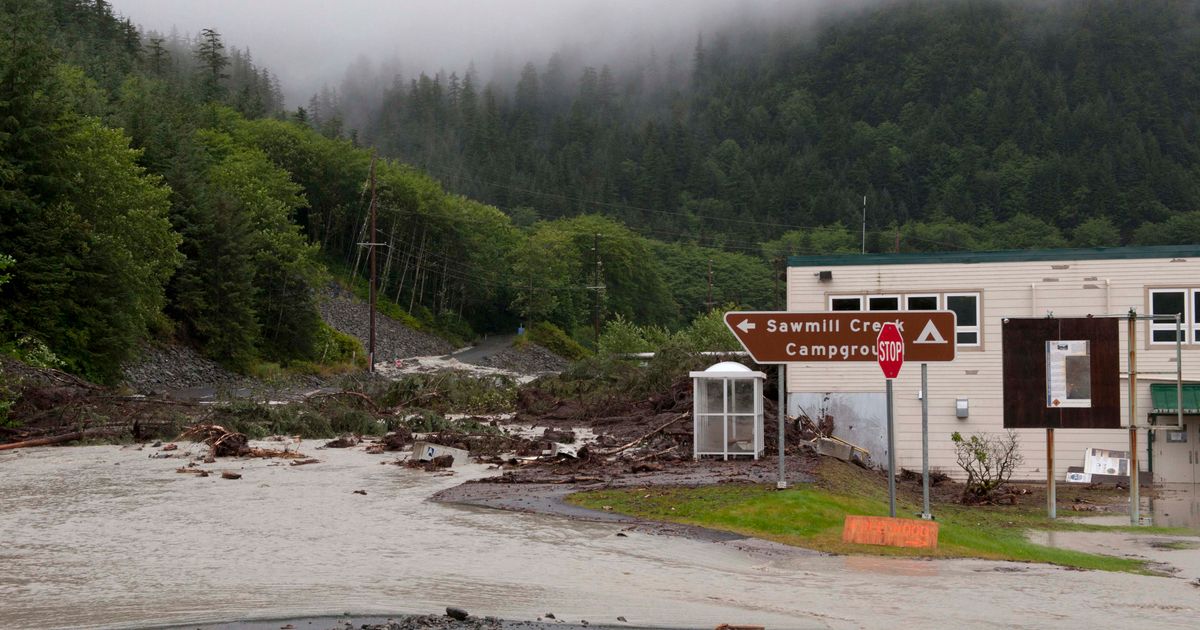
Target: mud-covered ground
115 537
399 622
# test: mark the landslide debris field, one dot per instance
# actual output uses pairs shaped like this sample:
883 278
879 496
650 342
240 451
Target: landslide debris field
599 420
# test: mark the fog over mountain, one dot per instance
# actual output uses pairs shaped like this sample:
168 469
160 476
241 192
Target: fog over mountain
311 43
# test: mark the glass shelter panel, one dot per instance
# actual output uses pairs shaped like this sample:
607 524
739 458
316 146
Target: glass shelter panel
743 398
741 433
714 397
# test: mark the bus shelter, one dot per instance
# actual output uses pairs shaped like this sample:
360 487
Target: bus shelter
727 411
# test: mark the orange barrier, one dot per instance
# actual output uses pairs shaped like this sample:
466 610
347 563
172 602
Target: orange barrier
892 532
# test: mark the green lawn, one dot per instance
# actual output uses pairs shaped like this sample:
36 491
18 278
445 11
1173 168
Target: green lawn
811 516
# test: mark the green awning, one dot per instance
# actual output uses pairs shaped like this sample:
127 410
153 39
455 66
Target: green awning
1163 396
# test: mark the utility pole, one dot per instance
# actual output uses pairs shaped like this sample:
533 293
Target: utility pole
371 244
709 301
779 272
597 287
864 225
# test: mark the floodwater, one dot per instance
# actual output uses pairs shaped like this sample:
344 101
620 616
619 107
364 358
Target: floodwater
1170 505
105 536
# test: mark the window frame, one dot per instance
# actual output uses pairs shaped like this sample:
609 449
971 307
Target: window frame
859 297
941 298
937 299
977 329
1194 305
1188 317
899 301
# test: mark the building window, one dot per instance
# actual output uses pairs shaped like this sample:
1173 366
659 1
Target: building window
1168 303
1195 315
965 305
845 303
883 302
1177 436
921 302
966 308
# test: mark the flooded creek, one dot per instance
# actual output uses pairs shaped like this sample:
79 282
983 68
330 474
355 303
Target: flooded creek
105 536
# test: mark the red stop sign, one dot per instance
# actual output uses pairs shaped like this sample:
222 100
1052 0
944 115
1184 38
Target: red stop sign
889 347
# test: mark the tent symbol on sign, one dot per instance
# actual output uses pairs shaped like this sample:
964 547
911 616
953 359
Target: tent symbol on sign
930 334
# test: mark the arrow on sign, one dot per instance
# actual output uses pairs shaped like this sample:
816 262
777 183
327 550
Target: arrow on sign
746 325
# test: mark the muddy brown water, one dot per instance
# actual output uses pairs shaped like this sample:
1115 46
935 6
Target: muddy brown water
106 537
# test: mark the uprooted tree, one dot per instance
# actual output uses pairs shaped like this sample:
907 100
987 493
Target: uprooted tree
989 461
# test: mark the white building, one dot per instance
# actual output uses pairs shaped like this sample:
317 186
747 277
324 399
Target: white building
983 288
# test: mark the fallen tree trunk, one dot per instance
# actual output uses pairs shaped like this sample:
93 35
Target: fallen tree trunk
57 439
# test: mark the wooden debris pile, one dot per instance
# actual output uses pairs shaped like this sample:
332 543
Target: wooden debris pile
225 443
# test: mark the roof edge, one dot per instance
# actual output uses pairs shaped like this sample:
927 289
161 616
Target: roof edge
1009 255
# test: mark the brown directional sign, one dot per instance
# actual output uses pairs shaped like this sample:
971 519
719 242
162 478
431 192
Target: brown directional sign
784 337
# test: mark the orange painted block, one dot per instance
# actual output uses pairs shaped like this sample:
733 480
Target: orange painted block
892 532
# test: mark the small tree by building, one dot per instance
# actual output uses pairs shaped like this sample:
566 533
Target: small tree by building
988 460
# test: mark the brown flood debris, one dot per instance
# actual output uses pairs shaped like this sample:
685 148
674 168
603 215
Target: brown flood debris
650 435
225 443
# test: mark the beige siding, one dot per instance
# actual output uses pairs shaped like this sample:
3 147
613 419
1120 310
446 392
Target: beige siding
1015 289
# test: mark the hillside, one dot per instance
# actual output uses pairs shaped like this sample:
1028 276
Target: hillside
155 189
965 125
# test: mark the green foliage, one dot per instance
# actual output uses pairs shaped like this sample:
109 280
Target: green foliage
1096 232
553 338
706 333
988 460
258 421
447 392
1025 231
1181 229
829 239
971 112
736 278
32 351
621 336
555 268
431 422
336 347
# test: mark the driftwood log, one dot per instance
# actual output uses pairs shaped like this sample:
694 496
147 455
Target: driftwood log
58 439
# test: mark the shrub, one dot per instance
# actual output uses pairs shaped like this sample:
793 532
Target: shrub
621 336
988 460
336 347
553 338
452 391
708 333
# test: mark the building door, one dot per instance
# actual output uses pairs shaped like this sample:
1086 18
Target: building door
1177 453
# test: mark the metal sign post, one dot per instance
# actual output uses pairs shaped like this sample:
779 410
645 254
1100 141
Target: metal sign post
889 346
1134 499
782 483
1051 489
925 440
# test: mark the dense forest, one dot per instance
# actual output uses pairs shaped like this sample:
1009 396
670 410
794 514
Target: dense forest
961 124
156 187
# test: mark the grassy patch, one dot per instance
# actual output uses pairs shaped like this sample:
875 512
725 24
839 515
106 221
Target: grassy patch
812 515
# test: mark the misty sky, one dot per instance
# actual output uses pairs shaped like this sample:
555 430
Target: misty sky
309 43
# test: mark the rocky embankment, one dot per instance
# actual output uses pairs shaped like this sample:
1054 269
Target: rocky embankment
393 340
530 359
170 368
160 368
